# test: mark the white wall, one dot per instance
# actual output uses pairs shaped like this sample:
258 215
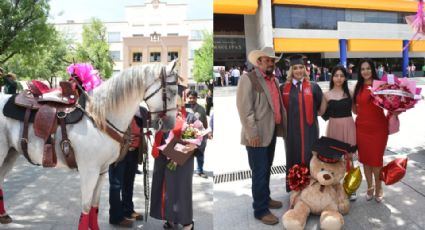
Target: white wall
264 24
251 35
351 30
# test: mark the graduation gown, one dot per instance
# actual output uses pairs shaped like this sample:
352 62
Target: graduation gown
171 192
299 131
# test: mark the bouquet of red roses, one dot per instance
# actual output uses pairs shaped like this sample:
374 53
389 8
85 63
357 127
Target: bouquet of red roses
395 95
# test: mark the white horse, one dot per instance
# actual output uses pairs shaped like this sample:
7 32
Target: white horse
115 101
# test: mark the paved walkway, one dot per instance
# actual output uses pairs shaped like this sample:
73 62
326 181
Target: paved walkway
403 205
43 199
402 208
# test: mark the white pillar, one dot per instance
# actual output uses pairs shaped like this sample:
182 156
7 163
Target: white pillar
264 24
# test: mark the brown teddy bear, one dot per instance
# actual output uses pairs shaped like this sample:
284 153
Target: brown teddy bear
324 195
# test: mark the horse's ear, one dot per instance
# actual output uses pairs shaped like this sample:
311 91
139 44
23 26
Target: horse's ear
171 66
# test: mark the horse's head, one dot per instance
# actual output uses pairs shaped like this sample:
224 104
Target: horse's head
161 98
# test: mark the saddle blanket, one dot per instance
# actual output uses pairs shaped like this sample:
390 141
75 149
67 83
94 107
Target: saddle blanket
16 112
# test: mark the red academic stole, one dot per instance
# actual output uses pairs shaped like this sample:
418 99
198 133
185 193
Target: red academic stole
308 108
176 131
308 100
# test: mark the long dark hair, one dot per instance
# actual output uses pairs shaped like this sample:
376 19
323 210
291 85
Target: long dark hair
360 79
345 84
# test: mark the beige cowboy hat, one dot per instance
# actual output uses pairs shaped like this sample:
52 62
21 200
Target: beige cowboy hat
264 52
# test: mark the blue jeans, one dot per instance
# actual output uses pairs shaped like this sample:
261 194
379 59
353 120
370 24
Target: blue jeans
121 183
199 154
199 161
260 162
236 81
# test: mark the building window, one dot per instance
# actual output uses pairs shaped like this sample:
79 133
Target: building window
155 57
192 54
172 34
114 37
137 56
300 17
138 35
172 56
196 35
115 55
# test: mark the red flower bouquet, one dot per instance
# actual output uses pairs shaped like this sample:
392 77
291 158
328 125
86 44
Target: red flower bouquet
298 177
395 95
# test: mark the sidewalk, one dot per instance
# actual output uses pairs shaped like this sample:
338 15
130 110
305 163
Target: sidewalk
403 205
402 208
41 199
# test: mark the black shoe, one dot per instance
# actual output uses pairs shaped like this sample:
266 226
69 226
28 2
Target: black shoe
192 226
6 219
169 225
138 172
203 175
135 216
125 223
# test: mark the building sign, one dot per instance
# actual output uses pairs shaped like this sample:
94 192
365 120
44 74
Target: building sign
229 45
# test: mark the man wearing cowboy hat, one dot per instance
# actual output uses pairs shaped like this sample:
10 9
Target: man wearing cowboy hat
262 116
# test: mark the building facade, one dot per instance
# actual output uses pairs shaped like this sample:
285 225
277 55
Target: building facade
326 31
148 35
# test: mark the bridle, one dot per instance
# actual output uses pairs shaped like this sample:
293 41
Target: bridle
114 132
162 113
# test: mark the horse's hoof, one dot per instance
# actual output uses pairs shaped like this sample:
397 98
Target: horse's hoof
6 219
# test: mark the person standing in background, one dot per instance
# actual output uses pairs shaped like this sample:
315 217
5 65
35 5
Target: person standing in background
121 181
10 84
197 112
209 101
1 78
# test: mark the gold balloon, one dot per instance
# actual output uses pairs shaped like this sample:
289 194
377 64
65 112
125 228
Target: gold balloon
352 180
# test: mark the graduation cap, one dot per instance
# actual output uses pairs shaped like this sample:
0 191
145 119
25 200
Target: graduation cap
296 59
330 150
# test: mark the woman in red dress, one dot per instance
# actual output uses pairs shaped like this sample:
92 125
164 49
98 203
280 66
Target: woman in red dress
371 130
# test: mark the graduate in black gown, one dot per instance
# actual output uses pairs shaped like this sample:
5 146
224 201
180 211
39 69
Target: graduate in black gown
171 192
303 101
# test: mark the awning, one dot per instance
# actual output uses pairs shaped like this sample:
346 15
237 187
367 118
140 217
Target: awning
417 46
374 45
235 6
306 45
384 5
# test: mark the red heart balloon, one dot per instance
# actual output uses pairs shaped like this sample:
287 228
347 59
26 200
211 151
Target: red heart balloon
393 171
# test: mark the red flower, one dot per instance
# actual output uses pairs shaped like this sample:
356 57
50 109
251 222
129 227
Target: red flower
393 97
298 177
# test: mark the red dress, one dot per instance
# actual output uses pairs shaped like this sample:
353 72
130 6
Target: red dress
371 130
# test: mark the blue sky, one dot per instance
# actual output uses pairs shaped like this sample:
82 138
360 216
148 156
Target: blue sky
113 10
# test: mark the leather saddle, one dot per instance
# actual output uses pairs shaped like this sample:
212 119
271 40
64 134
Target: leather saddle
51 107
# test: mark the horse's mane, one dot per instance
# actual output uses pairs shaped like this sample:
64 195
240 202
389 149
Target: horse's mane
113 93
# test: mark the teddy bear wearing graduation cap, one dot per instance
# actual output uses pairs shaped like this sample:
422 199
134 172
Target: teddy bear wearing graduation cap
323 193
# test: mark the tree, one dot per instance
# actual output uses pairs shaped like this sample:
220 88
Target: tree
203 61
95 48
23 27
47 63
